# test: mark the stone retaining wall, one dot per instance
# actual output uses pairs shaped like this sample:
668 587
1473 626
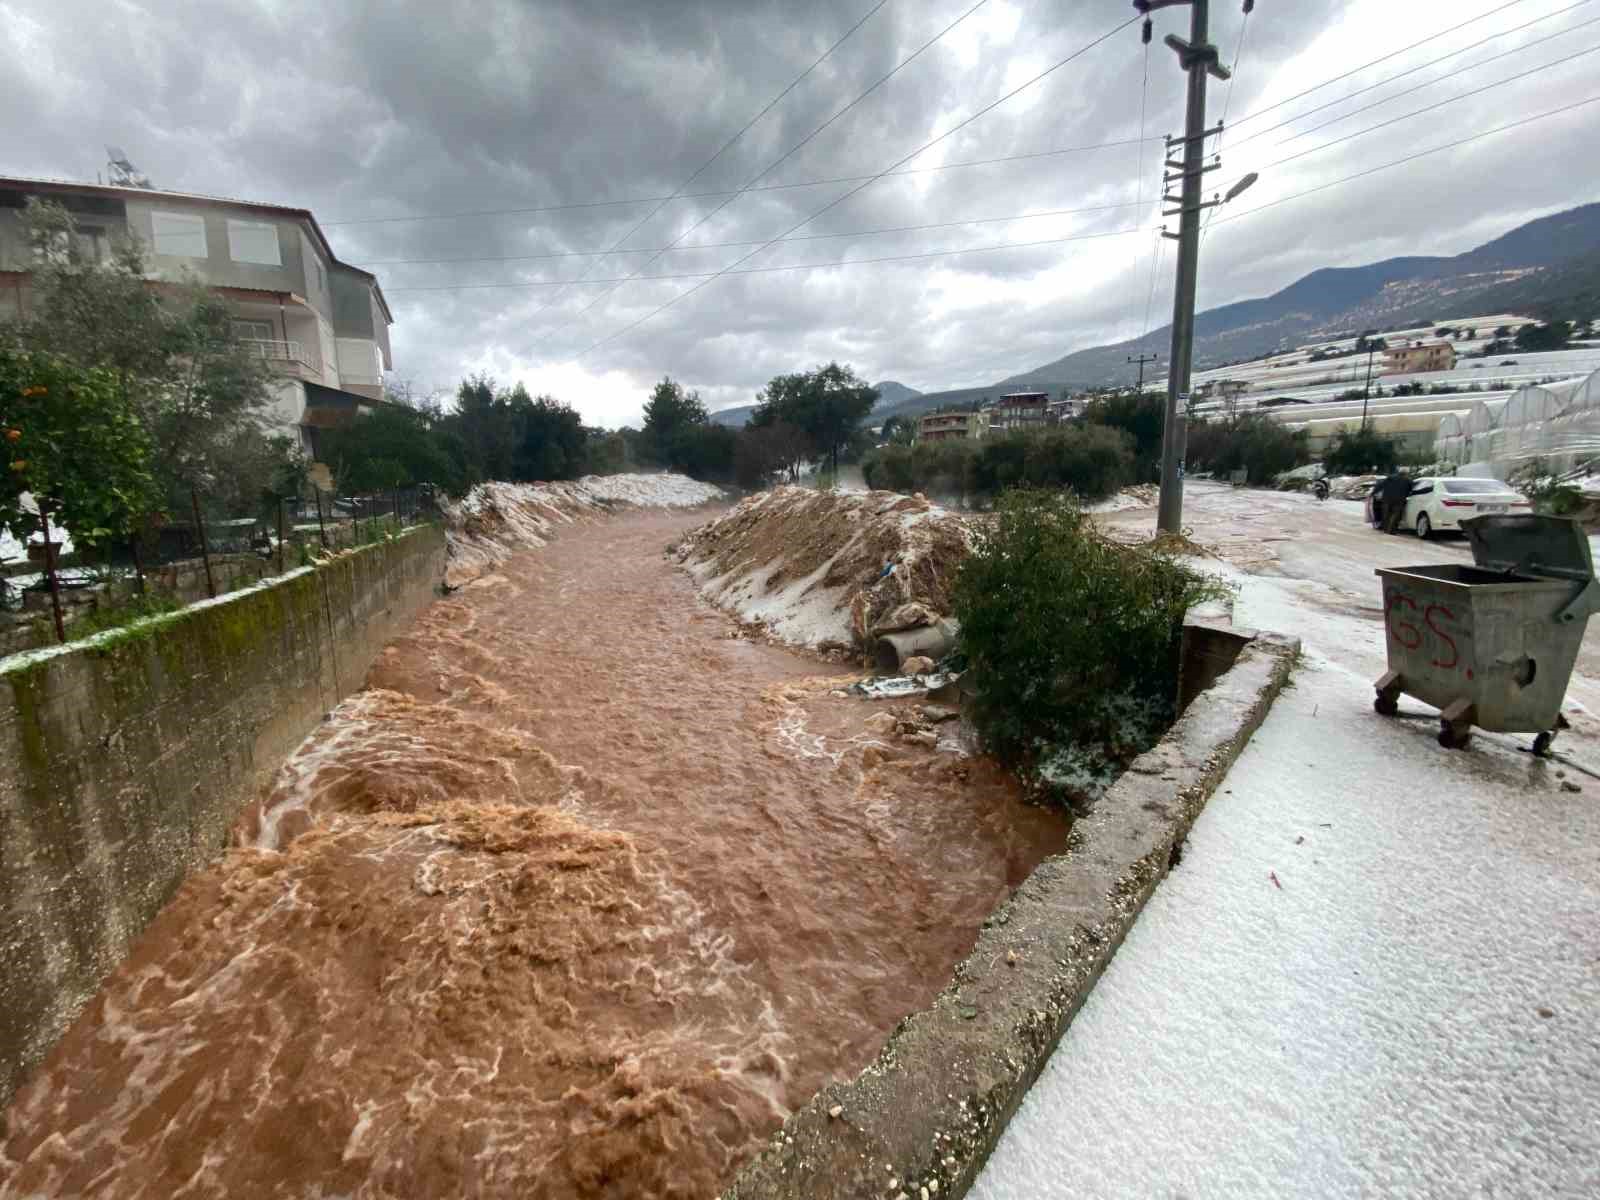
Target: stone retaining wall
125 759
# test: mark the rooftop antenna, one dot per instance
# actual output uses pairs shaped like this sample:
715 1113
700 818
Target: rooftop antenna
122 172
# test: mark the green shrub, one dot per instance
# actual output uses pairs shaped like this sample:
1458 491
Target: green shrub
1091 461
1254 441
1073 639
1362 452
1140 416
1550 495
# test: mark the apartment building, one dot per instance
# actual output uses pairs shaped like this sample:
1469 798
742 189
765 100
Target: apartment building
1020 410
948 426
321 324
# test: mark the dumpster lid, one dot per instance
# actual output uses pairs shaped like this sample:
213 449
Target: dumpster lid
1530 544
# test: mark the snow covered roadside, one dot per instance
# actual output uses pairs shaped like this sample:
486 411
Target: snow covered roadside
818 568
496 520
1373 972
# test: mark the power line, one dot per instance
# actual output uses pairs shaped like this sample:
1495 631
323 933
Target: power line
805 237
1149 300
1431 108
735 270
792 150
640 224
1412 158
1432 62
859 187
1412 91
1227 99
766 187
1381 58
1138 154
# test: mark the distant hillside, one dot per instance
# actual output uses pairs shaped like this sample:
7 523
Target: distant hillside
1531 268
1549 267
734 418
890 394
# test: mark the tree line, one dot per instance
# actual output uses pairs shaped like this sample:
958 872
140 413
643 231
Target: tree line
493 432
1115 442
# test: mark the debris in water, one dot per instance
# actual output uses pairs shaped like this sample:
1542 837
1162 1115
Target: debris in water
1273 875
891 687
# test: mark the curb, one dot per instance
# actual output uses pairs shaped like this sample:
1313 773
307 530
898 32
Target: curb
924 1117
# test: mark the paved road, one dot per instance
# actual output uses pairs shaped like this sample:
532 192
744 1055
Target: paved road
1377 969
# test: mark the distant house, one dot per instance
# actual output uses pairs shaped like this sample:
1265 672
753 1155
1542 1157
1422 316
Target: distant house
1064 409
1419 356
321 324
949 426
1221 389
1020 410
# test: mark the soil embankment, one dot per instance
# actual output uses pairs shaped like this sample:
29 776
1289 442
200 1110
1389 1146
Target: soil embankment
581 897
822 569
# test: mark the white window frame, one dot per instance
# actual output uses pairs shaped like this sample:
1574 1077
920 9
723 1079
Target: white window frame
239 235
188 224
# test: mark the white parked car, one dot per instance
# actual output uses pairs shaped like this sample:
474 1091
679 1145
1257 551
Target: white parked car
1440 503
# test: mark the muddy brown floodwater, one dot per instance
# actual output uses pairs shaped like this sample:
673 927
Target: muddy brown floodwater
580 898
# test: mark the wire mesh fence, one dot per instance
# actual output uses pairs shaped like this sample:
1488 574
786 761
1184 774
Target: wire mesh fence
52 590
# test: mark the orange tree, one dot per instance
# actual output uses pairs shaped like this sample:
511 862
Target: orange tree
75 451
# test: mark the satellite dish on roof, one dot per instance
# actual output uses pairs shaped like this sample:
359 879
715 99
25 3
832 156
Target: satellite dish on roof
121 172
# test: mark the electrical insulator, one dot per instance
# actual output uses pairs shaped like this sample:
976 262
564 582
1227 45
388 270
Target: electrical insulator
1149 27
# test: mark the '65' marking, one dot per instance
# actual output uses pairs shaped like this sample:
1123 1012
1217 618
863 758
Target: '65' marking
1402 615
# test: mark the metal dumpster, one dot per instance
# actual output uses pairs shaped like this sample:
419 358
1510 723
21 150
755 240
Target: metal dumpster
1492 645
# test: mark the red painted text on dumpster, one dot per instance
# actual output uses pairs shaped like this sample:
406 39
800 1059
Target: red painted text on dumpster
1428 627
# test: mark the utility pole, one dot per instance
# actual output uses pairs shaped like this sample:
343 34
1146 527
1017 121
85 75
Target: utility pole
1198 58
1366 393
1141 360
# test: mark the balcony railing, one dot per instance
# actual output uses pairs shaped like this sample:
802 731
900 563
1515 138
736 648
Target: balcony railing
289 353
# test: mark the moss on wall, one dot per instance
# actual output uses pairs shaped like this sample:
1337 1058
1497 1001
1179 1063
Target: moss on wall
126 758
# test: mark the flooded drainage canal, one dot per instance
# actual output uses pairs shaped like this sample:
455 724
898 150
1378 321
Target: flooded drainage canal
543 912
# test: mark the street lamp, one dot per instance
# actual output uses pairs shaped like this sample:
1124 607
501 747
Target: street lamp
1241 187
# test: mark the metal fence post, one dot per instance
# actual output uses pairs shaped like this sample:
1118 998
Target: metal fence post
50 574
280 534
205 551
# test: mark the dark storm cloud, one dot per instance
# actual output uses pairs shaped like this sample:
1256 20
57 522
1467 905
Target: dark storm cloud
367 110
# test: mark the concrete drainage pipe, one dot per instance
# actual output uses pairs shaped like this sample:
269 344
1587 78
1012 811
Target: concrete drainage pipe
931 641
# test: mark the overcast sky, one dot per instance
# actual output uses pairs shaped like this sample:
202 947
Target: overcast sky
375 110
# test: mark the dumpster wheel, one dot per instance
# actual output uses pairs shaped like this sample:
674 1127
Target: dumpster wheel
1541 744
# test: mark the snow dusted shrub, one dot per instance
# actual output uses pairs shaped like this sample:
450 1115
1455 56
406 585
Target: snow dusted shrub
1073 640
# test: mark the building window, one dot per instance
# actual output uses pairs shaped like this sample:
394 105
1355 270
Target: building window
253 331
322 282
253 242
180 235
